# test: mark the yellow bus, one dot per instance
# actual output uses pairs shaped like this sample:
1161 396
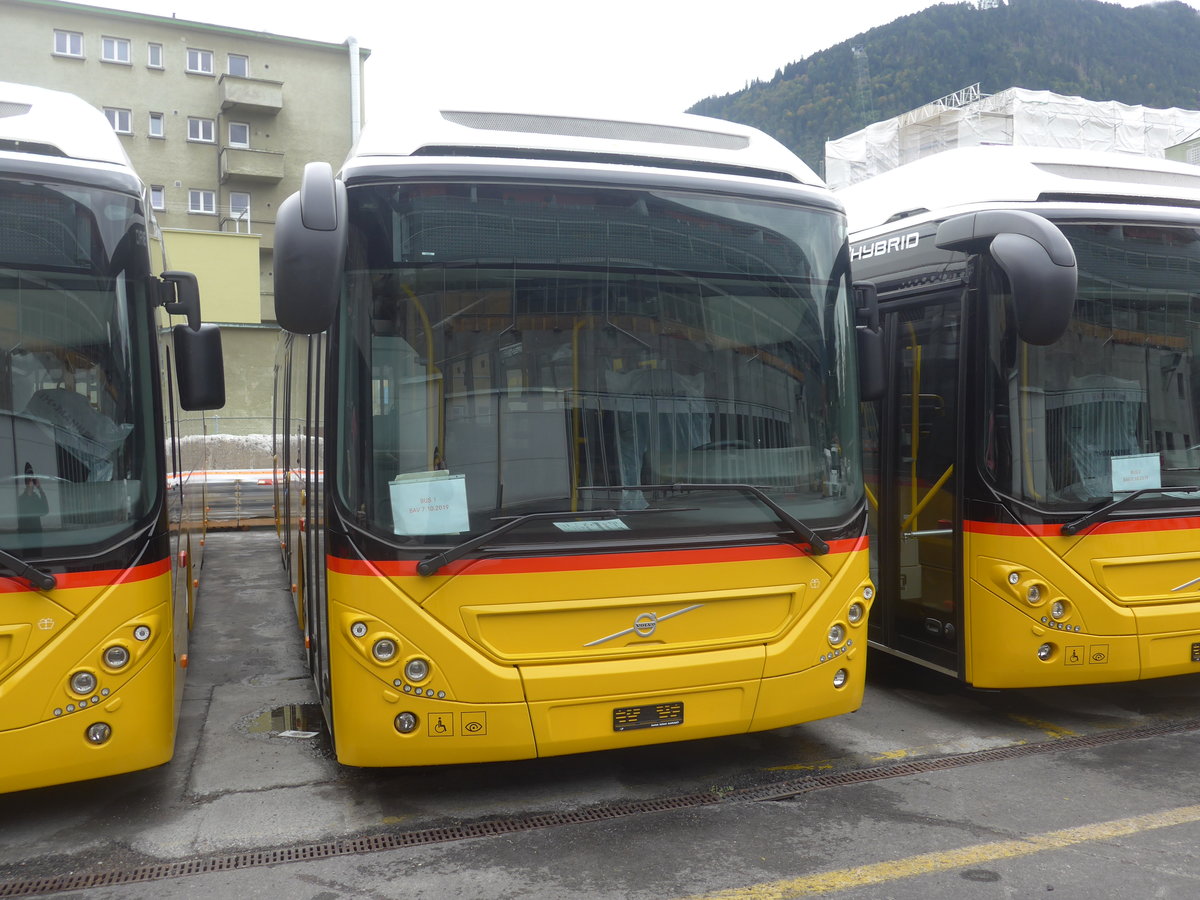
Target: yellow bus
567 437
1035 459
96 566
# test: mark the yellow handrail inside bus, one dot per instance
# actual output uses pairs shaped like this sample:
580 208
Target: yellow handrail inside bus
434 390
929 495
914 438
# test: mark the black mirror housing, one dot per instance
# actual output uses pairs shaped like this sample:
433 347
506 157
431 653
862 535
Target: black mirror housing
199 367
310 248
1035 255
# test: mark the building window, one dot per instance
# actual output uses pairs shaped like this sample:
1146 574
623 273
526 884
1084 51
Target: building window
239 65
201 130
120 119
154 56
239 211
114 50
202 202
200 61
239 134
68 43
158 126
158 197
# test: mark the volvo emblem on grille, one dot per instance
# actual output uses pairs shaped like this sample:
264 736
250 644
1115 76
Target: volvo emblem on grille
644 625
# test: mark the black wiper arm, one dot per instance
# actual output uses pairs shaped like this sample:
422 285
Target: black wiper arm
805 533
1105 510
432 564
35 576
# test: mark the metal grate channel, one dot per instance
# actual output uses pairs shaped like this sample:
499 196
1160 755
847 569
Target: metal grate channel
492 827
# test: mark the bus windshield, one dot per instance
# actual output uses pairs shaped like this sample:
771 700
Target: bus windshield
1112 407
76 397
506 350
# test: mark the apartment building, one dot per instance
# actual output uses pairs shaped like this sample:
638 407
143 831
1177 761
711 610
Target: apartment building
219 122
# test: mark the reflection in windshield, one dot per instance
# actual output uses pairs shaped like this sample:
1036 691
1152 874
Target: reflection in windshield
1112 407
511 350
74 445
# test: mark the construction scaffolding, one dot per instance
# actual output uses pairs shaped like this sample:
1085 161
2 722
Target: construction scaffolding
969 118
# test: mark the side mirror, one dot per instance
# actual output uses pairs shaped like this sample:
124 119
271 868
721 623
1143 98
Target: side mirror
310 248
182 296
1037 258
199 367
871 381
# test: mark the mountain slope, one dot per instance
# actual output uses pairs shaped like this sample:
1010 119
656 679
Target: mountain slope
1086 48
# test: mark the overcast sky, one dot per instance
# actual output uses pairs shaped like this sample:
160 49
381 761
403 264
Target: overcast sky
555 55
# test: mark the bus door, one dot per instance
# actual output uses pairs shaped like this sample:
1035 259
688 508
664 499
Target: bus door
918 568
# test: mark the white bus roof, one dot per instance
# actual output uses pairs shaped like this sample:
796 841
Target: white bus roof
55 123
709 143
972 177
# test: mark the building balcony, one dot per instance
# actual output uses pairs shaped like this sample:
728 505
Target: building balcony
251 95
238 163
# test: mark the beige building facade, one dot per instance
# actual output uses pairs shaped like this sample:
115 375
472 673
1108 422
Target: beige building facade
218 122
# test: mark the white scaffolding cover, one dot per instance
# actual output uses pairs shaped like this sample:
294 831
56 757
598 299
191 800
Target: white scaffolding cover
1014 116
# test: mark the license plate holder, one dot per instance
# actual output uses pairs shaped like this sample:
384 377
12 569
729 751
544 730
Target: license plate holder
652 715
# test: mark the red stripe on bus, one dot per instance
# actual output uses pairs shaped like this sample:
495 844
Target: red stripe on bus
97 578
527 565
1137 526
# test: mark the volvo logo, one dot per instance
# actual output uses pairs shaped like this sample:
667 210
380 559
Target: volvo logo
644 625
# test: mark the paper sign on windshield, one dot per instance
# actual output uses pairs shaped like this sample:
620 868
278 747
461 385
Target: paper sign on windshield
429 503
1136 473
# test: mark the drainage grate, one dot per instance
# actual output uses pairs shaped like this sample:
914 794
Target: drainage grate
492 827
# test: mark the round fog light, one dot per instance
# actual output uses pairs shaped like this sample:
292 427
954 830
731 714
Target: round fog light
358 629
1045 652
83 682
1034 594
98 733
384 649
406 722
142 633
416 669
1014 577
855 613
116 657
837 634
840 677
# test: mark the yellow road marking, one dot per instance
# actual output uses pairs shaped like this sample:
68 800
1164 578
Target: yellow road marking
1048 728
944 860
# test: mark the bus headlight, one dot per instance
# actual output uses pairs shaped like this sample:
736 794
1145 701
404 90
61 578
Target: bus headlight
358 629
1045 652
142 632
416 669
83 682
384 649
406 722
855 613
1034 594
116 657
98 733
1058 609
837 634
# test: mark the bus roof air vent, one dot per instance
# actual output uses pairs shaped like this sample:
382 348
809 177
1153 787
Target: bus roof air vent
604 129
8 108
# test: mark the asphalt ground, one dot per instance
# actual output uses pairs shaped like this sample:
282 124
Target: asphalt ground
931 790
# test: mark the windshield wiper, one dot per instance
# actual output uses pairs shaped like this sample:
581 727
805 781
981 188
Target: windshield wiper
806 534
35 576
432 564
1105 510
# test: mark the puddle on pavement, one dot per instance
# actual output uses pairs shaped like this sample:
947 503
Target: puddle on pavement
297 720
